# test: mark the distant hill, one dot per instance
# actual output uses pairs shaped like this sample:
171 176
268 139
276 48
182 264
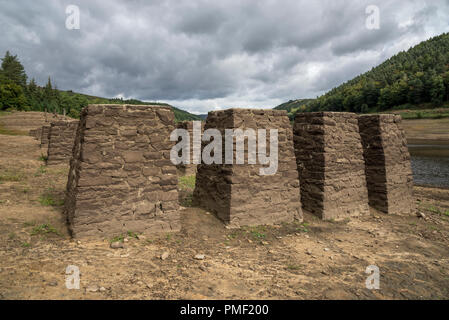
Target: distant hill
415 79
294 106
180 115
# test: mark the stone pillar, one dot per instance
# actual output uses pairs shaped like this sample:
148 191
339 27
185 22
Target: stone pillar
188 169
44 139
121 177
61 140
237 193
388 169
330 162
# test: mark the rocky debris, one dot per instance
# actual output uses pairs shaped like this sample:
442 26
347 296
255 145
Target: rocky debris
421 214
117 245
53 283
239 194
387 164
121 176
330 164
200 257
92 288
164 255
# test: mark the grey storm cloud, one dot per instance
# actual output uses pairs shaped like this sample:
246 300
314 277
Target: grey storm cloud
205 55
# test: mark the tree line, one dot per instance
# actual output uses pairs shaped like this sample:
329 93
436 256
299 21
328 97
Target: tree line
17 93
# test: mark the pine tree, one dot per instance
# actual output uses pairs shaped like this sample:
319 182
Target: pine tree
13 70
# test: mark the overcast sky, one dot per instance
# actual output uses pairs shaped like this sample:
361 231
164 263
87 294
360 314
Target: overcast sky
207 55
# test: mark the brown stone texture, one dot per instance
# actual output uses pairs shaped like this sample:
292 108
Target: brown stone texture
388 169
188 169
36 133
330 163
45 131
61 140
121 177
237 193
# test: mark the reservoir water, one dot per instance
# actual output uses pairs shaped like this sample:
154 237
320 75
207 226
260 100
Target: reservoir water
430 164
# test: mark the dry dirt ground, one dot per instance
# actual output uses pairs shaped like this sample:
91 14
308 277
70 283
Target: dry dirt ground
310 260
427 131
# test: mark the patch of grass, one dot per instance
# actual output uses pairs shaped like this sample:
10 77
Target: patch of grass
187 201
258 235
294 267
40 171
26 244
43 158
168 236
446 213
10 132
434 209
11 236
47 199
303 227
133 235
257 232
187 182
11 175
119 238
44 229
186 186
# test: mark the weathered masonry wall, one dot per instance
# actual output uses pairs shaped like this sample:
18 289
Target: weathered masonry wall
189 169
237 193
35 133
61 140
330 164
44 139
121 177
388 169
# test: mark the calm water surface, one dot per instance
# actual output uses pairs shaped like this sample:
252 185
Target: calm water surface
430 164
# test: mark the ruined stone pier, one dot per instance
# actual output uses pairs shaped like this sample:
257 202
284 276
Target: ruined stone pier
237 193
388 169
121 177
61 140
189 169
44 139
330 163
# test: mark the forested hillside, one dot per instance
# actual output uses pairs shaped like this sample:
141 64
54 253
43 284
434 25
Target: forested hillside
293 106
17 93
409 80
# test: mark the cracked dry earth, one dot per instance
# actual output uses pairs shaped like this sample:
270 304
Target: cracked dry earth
310 260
